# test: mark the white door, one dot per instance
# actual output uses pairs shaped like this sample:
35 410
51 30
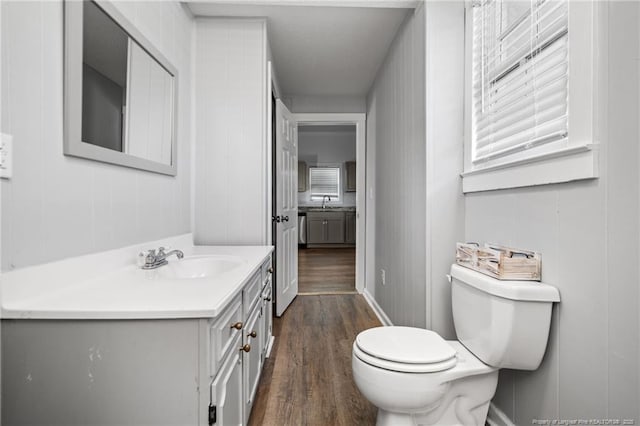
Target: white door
286 208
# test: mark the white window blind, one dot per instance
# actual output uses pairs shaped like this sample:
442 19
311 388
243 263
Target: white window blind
519 76
324 181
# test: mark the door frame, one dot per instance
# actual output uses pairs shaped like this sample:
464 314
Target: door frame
360 121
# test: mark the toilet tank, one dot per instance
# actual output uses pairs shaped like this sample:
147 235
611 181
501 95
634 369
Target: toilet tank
503 323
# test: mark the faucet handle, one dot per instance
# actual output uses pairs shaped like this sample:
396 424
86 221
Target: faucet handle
145 258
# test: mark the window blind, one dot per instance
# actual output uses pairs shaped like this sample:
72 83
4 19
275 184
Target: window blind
324 181
519 76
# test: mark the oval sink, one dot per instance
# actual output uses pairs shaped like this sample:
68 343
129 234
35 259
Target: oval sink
199 267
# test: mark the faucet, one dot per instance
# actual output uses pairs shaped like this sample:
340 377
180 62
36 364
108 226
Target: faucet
323 198
153 260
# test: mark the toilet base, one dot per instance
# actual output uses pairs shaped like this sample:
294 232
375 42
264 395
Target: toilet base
387 418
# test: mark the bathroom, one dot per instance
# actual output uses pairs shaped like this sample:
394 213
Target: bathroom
57 207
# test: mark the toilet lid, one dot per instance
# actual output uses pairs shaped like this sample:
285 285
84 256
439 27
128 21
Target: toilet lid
406 345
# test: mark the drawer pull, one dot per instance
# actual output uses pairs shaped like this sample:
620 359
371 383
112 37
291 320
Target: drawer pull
237 326
246 348
253 334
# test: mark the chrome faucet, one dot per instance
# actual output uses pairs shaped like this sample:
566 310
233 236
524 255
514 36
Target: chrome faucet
153 260
323 198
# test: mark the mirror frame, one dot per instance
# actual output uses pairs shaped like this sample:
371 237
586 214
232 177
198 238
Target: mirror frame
73 144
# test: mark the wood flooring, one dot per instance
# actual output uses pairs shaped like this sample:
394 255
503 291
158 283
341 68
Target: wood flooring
307 380
326 270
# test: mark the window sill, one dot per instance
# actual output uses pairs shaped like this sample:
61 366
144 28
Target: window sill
567 165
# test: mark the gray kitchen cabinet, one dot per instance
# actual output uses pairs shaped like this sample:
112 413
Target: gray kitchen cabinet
302 176
350 181
350 227
325 228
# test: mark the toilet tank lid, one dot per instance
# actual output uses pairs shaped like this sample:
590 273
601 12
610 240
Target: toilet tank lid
532 291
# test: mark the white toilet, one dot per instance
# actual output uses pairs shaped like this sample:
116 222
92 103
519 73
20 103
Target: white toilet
415 377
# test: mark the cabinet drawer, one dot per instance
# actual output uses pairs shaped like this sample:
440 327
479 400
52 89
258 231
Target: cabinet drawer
266 269
251 293
222 333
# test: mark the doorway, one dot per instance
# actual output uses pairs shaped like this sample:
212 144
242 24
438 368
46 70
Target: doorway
326 208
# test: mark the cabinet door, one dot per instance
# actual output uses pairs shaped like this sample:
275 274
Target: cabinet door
252 361
350 185
226 390
315 230
302 176
350 228
334 230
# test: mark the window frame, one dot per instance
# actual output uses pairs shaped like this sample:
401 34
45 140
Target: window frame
577 158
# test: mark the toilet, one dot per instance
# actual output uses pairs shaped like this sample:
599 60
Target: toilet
415 377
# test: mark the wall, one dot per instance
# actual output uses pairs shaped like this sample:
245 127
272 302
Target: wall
396 139
322 104
231 130
55 206
328 145
587 233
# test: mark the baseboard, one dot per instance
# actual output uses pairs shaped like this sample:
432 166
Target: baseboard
382 316
270 346
497 417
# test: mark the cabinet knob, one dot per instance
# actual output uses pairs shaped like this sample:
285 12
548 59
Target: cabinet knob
237 326
268 299
270 270
246 348
253 334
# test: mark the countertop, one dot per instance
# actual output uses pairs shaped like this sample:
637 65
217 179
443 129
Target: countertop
109 285
306 209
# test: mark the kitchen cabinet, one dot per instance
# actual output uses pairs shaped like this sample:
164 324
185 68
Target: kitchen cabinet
350 181
325 228
350 227
302 176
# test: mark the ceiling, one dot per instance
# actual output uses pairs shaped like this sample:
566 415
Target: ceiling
321 50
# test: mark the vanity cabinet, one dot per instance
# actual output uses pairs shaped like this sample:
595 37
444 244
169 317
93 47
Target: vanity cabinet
140 370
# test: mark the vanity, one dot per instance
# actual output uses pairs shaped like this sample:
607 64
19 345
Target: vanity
98 340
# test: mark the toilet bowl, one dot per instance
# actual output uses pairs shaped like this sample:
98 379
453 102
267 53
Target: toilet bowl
415 377
429 381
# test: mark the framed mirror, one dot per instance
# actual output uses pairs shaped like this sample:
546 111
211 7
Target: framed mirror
120 91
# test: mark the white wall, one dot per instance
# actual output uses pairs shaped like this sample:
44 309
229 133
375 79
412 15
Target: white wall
327 145
396 139
326 104
231 145
56 206
587 233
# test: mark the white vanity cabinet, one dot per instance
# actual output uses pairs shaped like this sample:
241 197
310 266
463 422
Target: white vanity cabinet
141 370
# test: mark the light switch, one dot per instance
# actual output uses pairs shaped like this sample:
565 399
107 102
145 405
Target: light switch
6 156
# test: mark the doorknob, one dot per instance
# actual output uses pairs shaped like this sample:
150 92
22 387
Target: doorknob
285 218
275 219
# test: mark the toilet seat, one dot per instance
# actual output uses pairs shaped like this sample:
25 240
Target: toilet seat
404 349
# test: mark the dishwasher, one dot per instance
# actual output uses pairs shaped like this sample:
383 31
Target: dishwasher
302 228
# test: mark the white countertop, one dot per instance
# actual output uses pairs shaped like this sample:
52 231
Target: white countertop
109 285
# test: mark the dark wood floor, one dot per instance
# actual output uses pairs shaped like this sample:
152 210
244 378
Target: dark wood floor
327 270
307 380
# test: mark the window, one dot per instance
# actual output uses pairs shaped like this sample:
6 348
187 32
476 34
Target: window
518 101
324 181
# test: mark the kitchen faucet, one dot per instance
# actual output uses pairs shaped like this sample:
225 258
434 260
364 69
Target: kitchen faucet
153 260
323 198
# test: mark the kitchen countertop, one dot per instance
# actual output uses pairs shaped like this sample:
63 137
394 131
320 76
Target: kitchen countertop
109 285
306 209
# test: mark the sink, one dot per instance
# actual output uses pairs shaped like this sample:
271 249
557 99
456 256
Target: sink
199 266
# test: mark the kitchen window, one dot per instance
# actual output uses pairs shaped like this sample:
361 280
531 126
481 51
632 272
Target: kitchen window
324 181
519 129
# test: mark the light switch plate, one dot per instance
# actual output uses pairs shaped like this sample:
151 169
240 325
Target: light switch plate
6 156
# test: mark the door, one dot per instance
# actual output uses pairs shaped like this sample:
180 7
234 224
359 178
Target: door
286 208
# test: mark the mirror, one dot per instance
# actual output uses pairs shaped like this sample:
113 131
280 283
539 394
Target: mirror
120 92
